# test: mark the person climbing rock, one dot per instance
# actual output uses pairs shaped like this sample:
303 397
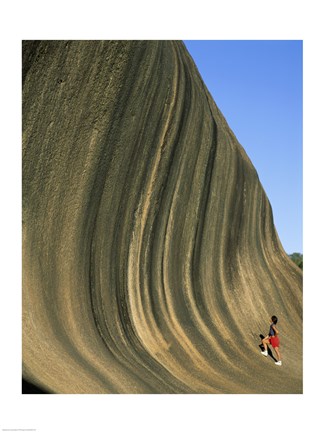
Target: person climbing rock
273 340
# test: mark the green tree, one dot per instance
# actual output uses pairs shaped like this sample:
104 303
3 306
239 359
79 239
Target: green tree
297 258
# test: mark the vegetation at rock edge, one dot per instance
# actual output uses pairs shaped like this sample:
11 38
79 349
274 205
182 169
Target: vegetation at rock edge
297 258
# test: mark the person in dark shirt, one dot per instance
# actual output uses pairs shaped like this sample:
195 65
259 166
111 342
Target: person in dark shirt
272 339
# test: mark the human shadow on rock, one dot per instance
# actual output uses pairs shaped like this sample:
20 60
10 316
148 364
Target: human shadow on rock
269 349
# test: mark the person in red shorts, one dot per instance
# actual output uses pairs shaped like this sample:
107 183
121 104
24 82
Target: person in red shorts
273 340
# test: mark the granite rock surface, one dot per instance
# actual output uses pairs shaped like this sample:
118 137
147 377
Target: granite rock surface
151 263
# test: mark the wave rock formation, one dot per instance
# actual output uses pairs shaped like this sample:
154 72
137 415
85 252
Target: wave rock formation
150 259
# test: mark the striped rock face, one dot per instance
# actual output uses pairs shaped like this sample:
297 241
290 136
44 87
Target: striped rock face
150 260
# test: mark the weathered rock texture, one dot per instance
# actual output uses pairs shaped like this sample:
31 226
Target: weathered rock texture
150 260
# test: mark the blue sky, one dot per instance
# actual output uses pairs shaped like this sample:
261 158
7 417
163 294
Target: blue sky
258 87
